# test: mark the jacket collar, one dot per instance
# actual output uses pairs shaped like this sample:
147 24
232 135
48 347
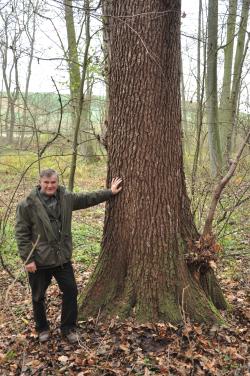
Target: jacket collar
33 198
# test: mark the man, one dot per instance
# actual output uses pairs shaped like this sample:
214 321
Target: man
43 234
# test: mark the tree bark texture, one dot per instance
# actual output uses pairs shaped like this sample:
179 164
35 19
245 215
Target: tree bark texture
141 270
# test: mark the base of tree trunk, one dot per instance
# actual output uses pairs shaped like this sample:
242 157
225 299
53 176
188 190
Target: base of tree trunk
212 289
198 303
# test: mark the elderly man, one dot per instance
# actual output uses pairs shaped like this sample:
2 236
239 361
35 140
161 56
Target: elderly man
43 234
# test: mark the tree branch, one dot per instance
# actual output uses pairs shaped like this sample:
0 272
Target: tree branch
219 188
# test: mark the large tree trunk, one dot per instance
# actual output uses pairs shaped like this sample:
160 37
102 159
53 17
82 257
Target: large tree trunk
142 270
184 120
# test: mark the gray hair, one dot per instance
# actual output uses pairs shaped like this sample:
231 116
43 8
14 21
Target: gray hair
48 172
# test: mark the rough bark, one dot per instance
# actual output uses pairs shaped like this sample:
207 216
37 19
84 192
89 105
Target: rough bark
184 121
142 270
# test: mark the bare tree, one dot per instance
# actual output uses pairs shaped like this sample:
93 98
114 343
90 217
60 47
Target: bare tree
200 93
30 22
212 100
80 91
10 54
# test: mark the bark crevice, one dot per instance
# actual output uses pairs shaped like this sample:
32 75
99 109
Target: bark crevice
142 271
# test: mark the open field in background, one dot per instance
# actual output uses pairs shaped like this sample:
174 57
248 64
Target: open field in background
44 112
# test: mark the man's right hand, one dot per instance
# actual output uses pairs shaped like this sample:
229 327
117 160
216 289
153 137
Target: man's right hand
31 267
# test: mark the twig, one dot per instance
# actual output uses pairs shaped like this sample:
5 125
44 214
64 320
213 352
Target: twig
5 267
182 304
110 325
41 152
107 369
29 256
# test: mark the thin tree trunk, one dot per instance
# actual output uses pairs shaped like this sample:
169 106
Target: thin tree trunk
88 133
241 52
81 98
12 122
73 60
31 38
200 97
212 105
7 78
1 108
225 105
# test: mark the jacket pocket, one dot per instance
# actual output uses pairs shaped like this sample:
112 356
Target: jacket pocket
45 255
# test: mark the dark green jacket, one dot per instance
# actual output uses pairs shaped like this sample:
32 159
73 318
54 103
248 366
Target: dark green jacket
32 221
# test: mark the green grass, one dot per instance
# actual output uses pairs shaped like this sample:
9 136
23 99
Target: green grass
8 248
86 242
88 224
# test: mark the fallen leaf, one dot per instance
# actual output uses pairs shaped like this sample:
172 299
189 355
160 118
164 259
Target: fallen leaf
124 347
212 265
25 321
2 358
63 359
91 361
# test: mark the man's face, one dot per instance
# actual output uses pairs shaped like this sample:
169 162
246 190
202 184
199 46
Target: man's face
49 185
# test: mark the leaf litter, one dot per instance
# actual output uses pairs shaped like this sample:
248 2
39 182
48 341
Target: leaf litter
123 347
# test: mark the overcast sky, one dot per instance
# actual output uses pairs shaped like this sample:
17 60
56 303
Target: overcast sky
42 70
48 47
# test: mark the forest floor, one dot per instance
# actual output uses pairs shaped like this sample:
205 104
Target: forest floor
122 347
